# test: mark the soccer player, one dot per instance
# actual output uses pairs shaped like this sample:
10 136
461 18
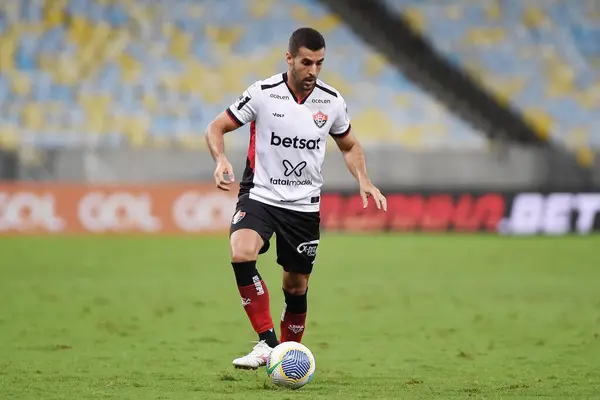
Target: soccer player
290 115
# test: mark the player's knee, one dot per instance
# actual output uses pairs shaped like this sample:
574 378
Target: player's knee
245 245
295 284
295 290
243 251
243 254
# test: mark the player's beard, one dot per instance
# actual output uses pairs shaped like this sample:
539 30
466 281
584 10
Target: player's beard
300 84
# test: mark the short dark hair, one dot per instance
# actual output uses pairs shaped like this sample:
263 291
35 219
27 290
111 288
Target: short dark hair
305 37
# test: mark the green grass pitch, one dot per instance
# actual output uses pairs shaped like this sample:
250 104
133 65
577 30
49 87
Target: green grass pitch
389 317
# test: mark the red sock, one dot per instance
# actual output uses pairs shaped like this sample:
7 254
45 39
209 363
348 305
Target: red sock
255 299
292 327
293 318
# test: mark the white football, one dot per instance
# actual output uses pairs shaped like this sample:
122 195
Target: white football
290 365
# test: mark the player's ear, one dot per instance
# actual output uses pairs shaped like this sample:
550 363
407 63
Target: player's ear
288 57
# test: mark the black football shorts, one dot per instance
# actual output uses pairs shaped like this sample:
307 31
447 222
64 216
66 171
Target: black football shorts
297 233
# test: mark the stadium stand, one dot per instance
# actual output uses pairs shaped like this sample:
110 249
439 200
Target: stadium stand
542 57
152 73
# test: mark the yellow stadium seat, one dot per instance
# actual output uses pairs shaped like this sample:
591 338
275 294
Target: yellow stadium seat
412 136
403 100
374 65
339 83
541 122
54 14
561 80
585 156
33 117
195 11
493 10
589 98
95 123
534 17
130 66
21 83
373 124
150 102
136 130
415 19
487 36
196 142
577 138
8 45
453 11
506 88
9 138
323 24
68 71
261 8
224 37
180 44
80 30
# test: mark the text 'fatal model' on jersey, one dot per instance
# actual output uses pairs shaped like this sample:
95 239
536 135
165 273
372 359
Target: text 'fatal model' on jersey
289 169
296 143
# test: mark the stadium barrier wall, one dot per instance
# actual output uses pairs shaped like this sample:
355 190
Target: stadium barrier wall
39 208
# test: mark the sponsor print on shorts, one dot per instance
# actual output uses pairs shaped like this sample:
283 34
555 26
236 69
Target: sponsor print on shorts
308 248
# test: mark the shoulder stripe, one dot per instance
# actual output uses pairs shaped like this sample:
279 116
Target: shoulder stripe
265 87
329 91
232 116
341 134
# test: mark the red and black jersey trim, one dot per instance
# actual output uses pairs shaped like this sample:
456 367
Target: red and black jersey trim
341 135
328 91
233 117
270 86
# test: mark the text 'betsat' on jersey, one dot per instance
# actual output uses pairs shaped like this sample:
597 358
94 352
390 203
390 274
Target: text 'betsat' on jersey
287 140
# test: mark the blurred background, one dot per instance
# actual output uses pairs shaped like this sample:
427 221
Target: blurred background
450 98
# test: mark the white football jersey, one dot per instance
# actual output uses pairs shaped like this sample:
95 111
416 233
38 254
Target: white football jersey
287 140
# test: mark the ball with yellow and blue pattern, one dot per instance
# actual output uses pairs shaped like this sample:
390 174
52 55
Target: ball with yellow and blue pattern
290 365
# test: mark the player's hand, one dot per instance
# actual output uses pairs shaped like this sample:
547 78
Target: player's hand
368 189
224 167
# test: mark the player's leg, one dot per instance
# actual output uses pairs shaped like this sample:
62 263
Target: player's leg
297 241
293 317
250 235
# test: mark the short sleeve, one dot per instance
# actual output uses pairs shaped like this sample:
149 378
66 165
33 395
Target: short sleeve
341 124
245 108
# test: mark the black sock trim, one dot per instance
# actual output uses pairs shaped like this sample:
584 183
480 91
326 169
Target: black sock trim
270 337
296 304
245 272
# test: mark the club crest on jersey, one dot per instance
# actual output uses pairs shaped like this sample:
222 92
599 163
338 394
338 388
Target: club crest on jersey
238 216
320 119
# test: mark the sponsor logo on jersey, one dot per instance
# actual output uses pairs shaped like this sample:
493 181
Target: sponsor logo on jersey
277 115
320 101
296 143
243 100
279 97
289 182
320 119
293 169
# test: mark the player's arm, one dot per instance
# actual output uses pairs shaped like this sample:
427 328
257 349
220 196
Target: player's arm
354 156
239 113
216 145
